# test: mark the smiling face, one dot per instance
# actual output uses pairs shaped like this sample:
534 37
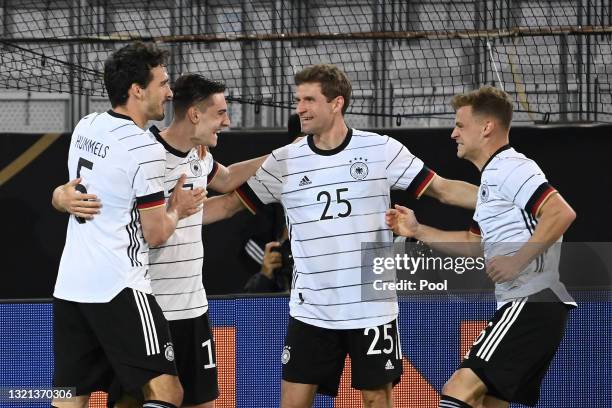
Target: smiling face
156 94
469 133
316 113
211 117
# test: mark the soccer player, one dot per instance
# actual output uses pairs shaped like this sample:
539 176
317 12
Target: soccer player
518 217
335 188
175 267
106 323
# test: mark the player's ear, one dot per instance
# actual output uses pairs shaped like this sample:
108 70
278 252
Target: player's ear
193 114
489 126
136 91
339 104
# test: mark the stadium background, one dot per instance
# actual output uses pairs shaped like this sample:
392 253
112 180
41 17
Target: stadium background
405 58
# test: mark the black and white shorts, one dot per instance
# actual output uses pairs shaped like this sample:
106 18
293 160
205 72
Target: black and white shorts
315 355
196 363
512 354
94 343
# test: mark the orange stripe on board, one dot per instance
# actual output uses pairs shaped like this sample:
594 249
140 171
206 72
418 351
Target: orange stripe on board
27 157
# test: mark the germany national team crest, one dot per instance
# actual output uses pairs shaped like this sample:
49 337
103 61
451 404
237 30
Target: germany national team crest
484 193
169 352
196 167
359 169
286 355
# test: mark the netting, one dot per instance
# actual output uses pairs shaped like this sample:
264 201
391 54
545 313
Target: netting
404 57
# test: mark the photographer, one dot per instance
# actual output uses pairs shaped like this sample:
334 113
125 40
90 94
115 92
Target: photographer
276 268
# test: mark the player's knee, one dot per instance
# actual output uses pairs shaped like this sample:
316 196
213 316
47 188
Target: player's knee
177 394
376 398
164 388
465 386
296 395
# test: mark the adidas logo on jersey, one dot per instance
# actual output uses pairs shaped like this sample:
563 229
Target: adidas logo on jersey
305 181
389 365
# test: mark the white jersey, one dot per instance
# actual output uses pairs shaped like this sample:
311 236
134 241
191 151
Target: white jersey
176 266
124 166
334 201
512 191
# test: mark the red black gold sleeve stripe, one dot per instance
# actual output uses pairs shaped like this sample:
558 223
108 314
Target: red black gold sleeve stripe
421 182
249 198
474 228
150 201
212 173
539 197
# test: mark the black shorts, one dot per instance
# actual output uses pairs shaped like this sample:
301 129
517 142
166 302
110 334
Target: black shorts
94 343
196 362
314 355
512 354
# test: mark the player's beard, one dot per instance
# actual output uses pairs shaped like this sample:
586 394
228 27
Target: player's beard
157 113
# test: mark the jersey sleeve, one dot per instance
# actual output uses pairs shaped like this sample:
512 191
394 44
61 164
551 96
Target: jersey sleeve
405 171
210 167
265 187
474 228
148 178
526 186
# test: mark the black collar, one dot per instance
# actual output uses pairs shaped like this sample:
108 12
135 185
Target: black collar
501 149
119 115
156 132
333 151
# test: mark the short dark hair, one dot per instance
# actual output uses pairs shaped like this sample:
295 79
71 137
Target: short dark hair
333 82
190 89
129 65
487 100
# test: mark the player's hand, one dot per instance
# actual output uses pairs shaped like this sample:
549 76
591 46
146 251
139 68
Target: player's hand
186 202
272 259
503 268
402 221
76 203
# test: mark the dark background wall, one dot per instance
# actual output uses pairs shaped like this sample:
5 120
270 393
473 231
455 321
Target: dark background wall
575 159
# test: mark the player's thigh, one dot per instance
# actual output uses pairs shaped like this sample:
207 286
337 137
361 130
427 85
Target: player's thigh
376 356
380 398
466 386
297 395
491 402
194 350
164 387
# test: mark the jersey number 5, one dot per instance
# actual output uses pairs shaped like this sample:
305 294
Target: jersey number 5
79 187
339 200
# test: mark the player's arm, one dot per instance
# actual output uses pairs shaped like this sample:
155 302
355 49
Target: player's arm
407 172
227 179
461 243
159 221
453 192
221 207
66 198
555 216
